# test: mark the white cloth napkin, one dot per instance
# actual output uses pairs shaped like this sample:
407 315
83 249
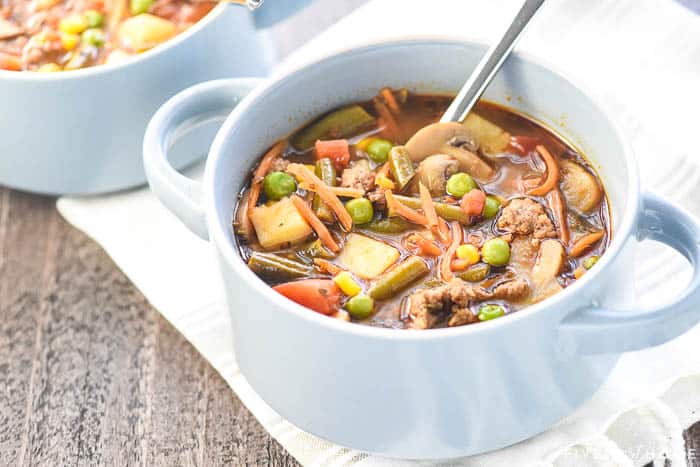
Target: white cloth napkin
644 57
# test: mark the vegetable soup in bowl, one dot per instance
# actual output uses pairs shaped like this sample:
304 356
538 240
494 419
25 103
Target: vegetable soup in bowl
331 194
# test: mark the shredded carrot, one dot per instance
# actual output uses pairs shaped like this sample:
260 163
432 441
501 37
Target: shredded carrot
446 260
259 175
391 128
326 266
323 191
404 211
424 246
384 170
556 204
319 227
583 243
579 272
388 96
347 192
552 178
437 224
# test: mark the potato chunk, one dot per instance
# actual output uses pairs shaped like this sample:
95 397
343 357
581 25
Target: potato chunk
144 31
544 273
279 224
365 257
492 138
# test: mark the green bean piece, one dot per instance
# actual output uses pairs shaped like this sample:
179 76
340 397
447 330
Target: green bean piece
490 311
449 212
398 278
401 166
342 123
475 273
276 268
325 170
389 225
360 306
316 249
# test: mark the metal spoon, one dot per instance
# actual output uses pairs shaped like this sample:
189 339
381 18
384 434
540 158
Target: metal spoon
251 4
490 64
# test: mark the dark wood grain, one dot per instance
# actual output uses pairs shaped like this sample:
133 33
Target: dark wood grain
90 374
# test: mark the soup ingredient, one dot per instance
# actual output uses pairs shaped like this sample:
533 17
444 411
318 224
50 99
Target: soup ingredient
359 176
366 257
325 171
389 225
589 262
491 207
139 6
433 172
323 234
397 208
435 139
544 274
398 278
336 150
73 24
580 187
523 216
277 185
258 176
584 243
552 176
496 252
69 42
401 167
378 150
556 205
341 123
460 184
421 245
491 311
449 212
476 273
321 295
446 260
360 306
473 202
360 210
145 31
468 252
347 284
279 224
277 268
491 138
316 249
327 196
93 18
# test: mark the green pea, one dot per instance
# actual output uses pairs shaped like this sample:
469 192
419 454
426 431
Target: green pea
460 184
360 209
378 150
139 6
93 18
94 36
495 252
360 306
589 262
491 207
490 311
277 185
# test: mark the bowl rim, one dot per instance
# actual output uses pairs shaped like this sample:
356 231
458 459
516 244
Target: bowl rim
254 285
34 76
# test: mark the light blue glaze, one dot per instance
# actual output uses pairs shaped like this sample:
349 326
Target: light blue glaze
438 393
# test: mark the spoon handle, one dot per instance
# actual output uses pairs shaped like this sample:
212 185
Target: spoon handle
490 64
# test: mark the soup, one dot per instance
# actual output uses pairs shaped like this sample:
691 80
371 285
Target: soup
55 35
377 214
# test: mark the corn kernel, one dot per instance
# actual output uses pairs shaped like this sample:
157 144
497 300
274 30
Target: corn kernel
362 144
384 182
69 41
347 284
469 253
73 24
579 272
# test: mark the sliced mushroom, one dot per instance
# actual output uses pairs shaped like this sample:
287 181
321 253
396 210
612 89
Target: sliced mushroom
579 187
434 139
434 171
544 274
8 29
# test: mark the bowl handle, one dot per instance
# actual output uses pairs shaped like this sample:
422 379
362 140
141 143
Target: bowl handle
199 104
602 330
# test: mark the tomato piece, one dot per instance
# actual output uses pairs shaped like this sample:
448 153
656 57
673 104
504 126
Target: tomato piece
320 295
473 202
337 150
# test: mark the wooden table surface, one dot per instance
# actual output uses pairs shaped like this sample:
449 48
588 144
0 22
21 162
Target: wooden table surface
91 374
